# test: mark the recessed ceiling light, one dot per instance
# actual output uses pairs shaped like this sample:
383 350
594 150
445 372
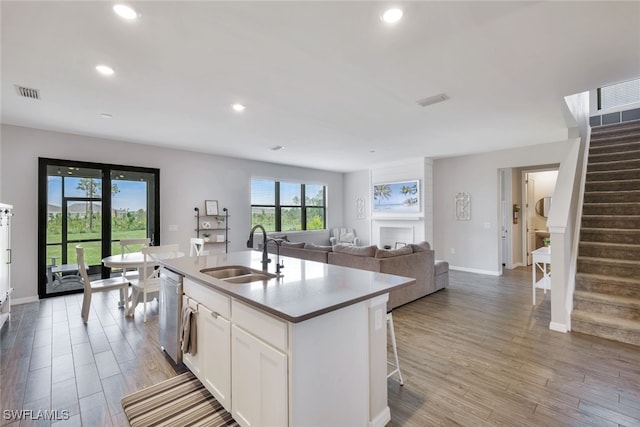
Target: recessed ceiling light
277 148
125 12
106 116
238 107
105 70
392 16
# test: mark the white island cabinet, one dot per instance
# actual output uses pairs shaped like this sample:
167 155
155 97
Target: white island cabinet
212 361
305 349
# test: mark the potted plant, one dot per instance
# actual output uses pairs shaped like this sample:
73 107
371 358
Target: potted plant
206 236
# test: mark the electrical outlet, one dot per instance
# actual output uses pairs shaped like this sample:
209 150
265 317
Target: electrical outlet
487 225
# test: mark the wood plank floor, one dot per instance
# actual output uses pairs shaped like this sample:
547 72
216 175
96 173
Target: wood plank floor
475 354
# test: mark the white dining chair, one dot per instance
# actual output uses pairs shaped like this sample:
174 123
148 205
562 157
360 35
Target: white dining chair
149 280
102 285
129 246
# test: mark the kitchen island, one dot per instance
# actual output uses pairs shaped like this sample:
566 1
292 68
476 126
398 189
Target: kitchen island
305 349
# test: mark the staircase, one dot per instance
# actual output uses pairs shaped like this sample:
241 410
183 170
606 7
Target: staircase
606 301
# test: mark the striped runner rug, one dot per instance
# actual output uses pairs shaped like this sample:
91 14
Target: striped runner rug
179 401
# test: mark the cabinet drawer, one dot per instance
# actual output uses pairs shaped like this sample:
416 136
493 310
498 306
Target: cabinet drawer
263 326
210 298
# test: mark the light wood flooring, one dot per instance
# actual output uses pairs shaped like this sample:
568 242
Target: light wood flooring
474 354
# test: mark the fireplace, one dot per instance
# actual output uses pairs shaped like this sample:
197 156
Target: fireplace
389 235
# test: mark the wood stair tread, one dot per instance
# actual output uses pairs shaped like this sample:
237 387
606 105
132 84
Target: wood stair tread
603 298
606 320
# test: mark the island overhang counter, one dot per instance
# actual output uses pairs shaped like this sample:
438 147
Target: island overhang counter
307 348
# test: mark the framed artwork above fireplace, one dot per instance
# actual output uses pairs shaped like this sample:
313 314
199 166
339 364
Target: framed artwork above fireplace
393 198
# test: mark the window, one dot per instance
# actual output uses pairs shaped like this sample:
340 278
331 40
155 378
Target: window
619 94
288 206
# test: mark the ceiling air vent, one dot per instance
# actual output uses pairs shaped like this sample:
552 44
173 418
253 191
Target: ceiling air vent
432 100
27 92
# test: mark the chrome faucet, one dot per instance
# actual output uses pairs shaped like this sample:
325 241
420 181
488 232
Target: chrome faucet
265 257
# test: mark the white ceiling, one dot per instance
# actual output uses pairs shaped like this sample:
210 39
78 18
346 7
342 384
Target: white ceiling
328 80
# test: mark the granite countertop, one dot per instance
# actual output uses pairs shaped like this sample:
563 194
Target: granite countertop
307 289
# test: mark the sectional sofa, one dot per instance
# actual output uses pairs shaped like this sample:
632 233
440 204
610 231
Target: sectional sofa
414 260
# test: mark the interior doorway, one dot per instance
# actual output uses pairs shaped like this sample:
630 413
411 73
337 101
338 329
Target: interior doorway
537 196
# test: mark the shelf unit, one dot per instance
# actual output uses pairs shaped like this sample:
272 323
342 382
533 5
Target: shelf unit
215 229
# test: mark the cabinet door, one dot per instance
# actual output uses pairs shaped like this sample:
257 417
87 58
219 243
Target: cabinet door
260 386
194 362
216 351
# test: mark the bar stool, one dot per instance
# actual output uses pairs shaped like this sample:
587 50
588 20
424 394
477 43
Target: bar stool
396 363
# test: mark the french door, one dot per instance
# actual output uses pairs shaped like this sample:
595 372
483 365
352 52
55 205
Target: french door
93 205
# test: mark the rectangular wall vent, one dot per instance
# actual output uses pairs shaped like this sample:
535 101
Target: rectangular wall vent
28 92
432 100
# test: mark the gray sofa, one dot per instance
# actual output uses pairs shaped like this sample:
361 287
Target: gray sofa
414 260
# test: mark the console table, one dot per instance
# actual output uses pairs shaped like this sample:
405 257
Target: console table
542 262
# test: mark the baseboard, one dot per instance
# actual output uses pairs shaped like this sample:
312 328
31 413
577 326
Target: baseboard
381 419
475 270
25 300
558 327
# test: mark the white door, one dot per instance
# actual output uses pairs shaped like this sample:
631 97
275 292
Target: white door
259 381
216 349
530 213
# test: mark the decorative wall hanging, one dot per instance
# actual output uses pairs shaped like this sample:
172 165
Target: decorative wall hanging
359 208
463 207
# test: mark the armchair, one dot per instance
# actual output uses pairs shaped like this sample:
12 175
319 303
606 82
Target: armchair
344 235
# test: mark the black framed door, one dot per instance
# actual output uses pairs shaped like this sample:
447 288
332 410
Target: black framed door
93 205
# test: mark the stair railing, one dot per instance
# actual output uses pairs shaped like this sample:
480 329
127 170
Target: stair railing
566 214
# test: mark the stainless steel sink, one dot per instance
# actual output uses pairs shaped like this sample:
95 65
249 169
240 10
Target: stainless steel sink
253 277
227 271
237 274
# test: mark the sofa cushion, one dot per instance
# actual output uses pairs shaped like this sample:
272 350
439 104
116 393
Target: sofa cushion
292 244
315 247
369 251
388 253
420 247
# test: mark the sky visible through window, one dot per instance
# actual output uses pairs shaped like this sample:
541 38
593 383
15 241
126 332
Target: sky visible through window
132 195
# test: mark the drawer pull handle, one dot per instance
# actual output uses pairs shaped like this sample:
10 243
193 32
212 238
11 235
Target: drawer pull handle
214 314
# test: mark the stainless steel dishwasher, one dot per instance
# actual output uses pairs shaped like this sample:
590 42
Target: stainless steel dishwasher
170 302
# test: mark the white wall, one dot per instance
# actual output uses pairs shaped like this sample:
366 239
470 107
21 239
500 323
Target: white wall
356 186
186 180
476 243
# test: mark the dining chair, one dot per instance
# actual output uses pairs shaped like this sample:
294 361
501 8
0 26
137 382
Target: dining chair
102 285
132 245
149 280
196 247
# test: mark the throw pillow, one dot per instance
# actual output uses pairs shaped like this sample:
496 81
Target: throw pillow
347 238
